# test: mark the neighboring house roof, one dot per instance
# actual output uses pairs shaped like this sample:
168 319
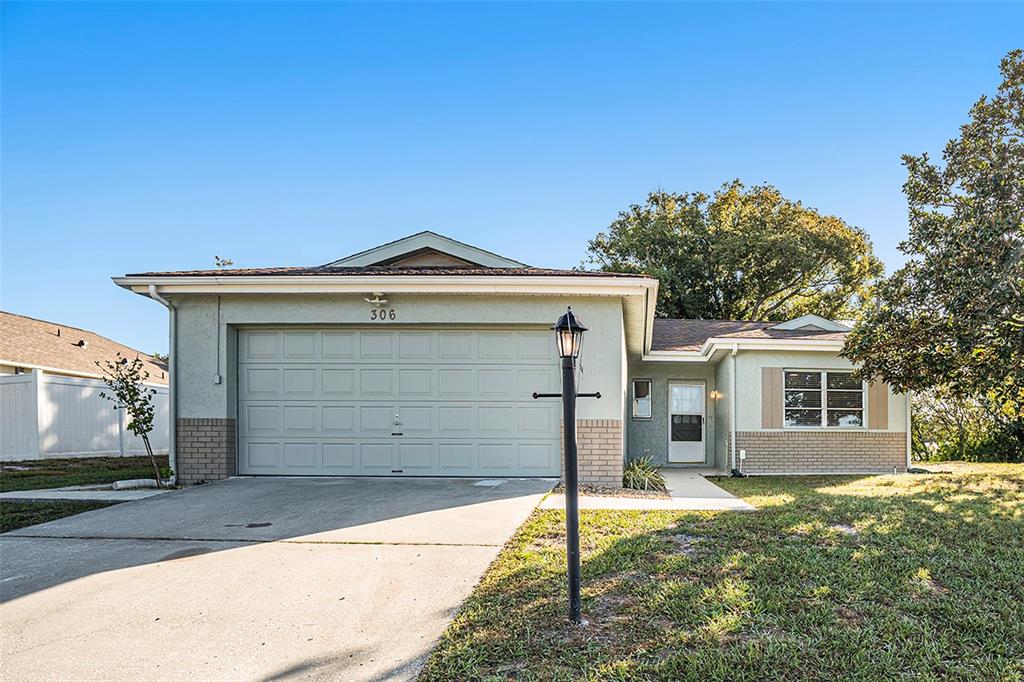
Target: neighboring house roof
330 271
28 342
691 335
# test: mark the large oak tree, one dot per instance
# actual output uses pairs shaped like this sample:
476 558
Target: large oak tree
743 254
953 316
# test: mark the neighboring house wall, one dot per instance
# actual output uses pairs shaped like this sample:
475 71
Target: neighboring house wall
46 416
813 450
206 348
649 438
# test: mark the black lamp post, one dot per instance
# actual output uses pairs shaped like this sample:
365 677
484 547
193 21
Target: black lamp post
569 340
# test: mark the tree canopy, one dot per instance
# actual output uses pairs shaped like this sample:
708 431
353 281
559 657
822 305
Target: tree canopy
744 254
954 314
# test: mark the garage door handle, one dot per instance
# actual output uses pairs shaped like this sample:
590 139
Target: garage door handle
396 420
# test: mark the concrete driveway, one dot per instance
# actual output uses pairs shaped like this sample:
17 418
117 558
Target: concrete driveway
253 579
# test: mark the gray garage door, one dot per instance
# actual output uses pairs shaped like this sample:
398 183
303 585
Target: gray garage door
383 402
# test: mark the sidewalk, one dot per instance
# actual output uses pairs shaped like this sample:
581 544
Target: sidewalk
689 491
82 493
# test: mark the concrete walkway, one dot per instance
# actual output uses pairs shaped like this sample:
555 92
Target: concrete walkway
81 493
688 490
253 579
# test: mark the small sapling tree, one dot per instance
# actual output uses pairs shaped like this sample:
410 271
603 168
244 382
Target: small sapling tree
124 378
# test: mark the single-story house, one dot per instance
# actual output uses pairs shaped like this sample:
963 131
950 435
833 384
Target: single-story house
420 357
50 386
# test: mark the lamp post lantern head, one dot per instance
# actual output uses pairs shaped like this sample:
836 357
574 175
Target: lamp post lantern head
569 334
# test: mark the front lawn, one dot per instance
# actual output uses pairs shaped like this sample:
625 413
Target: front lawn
835 577
58 473
14 515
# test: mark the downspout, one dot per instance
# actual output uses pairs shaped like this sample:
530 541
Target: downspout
732 399
172 357
910 440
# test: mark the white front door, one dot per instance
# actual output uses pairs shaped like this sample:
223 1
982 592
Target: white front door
686 422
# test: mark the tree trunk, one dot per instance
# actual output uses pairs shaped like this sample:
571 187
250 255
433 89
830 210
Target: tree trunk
152 460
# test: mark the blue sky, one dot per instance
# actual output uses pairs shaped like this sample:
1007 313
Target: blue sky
149 136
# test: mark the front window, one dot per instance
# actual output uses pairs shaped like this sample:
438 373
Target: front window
823 399
641 399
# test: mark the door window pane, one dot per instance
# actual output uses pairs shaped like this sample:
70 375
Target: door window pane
687 400
687 427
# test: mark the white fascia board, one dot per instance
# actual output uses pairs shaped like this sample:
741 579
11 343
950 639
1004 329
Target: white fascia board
713 345
536 285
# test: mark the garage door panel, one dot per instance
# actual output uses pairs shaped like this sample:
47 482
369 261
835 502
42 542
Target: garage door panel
300 345
416 345
455 420
455 346
416 457
301 382
376 419
338 383
416 383
337 345
377 383
300 420
326 401
303 456
259 383
260 455
339 420
495 346
339 457
376 345
261 344
496 383
377 457
456 383
496 457
416 420
260 419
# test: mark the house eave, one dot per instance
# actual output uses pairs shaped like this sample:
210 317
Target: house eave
708 350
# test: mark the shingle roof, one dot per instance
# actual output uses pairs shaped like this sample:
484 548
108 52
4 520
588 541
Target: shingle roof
327 271
31 342
690 335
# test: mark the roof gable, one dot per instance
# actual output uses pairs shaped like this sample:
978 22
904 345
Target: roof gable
426 249
811 323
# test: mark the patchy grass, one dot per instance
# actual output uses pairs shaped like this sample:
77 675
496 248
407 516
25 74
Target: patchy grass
57 473
852 578
14 515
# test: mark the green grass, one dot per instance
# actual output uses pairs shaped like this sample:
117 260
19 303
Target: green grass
834 578
57 473
14 515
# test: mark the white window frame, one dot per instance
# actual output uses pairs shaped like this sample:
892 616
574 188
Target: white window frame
633 400
823 425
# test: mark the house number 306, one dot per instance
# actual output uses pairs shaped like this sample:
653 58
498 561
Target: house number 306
382 314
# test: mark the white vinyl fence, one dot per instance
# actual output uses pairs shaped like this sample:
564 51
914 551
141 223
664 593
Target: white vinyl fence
45 416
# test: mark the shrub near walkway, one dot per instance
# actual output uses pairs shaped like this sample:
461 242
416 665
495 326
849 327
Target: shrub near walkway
866 578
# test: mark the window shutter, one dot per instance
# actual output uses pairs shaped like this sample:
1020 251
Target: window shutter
878 406
771 398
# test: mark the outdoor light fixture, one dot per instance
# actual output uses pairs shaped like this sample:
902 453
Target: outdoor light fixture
715 395
569 335
569 340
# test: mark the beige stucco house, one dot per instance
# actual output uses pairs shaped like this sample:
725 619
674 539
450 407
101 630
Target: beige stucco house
420 357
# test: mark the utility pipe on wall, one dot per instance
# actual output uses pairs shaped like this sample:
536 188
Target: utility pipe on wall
732 400
172 355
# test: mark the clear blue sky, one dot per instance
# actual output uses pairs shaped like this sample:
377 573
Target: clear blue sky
145 136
